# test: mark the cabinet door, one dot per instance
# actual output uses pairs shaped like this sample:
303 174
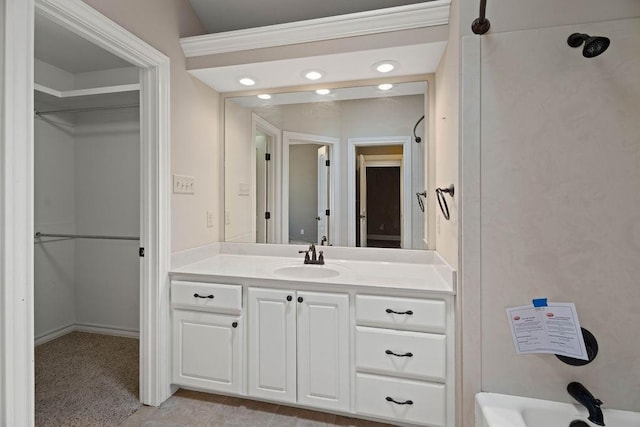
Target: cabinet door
207 351
272 344
323 350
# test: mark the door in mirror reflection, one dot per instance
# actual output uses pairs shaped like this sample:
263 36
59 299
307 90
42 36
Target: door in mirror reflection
263 215
309 178
379 198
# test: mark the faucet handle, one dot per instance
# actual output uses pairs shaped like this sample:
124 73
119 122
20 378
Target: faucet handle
597 402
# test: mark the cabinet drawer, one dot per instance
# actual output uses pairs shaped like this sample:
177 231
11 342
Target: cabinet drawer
206 296
414 354
401 313
416 402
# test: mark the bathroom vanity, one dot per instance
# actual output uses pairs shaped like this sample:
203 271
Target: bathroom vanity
369 334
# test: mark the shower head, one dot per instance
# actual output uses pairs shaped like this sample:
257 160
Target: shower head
593 46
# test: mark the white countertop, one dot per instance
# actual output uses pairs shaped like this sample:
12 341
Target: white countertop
436 276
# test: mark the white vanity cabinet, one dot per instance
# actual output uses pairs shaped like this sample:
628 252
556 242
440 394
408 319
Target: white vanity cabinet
299 347
402 369
207 336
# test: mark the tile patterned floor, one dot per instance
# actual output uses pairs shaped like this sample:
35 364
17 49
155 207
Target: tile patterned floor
193 409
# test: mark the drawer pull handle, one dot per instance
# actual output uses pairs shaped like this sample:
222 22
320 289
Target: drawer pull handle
406 402
408 312
289 297
202 296
399 355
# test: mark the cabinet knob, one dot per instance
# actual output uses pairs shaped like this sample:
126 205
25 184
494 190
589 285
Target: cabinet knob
289 297
408 312
406 402
300 299
234 324
203 296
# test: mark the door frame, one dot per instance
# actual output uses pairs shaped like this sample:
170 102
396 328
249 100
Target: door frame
288 138
352 144
386 161
258 123
16 199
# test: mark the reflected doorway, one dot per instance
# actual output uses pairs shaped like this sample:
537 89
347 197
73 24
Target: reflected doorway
308 178
379 189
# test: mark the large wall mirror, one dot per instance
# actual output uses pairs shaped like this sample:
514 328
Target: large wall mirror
336 167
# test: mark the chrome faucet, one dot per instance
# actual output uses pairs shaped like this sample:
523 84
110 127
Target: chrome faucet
314 258
586 399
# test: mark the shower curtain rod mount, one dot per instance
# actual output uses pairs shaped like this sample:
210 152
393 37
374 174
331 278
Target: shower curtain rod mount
481 24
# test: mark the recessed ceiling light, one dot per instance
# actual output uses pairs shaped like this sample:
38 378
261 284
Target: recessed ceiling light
323 91
384 66
313 74
385 86
247 81
264 96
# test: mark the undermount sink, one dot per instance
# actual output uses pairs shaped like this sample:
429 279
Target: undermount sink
307 271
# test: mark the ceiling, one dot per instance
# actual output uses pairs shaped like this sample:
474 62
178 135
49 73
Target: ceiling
341 67
228 15
68 51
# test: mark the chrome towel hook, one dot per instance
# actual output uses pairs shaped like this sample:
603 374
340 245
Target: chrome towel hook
443 202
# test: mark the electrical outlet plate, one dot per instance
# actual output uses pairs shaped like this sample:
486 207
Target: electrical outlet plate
209 219
184 184
227 217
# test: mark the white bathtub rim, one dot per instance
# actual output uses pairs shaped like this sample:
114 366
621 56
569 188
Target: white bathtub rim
503 410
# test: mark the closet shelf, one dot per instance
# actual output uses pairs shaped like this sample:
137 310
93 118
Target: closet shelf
47 99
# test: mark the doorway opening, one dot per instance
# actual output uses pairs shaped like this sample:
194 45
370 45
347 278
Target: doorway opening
309 165
379 188
379 199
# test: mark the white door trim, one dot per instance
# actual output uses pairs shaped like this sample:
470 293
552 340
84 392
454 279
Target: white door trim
289 138
16 215
258 123
16 353
352 143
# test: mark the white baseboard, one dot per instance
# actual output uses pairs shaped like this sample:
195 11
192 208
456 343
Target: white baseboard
81 327
56 333
107 330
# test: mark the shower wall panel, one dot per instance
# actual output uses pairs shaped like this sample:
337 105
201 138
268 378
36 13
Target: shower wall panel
560 206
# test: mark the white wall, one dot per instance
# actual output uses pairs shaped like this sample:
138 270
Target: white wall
237 164
195 129
107 198
54 205
560 203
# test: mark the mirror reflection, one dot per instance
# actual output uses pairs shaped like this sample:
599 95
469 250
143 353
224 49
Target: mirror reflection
339 168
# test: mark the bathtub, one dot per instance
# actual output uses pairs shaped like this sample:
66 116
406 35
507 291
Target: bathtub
501 410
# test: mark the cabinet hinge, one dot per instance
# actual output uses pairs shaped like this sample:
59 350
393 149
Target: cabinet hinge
267 156
141 252
267 215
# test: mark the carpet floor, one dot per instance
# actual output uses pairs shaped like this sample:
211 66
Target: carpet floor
85 379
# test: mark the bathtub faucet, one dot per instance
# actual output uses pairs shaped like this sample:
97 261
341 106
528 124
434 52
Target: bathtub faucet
586 399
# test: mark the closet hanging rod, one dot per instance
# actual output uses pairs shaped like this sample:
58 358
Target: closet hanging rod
87 109
85 236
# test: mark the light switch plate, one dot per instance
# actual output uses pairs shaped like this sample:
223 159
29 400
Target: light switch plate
243 190
184 184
